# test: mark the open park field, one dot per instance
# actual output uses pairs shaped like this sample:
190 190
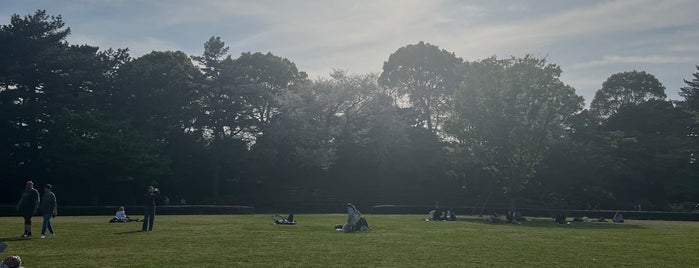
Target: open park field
395 241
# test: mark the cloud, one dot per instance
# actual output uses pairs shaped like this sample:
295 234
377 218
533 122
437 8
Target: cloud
148 44
341 34
650 59
685 48
605 20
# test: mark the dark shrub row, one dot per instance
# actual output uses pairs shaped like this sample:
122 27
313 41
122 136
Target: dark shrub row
138 210
530 212
9 211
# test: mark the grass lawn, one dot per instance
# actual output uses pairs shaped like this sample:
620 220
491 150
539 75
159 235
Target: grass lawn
396 240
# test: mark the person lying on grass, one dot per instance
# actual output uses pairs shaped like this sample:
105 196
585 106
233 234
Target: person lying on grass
279 219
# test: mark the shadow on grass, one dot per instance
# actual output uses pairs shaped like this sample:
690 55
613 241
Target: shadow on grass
7 239
130 232
549 223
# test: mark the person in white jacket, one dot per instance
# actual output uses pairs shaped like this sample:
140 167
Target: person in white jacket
355 222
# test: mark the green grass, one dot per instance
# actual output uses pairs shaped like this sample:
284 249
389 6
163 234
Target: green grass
395 241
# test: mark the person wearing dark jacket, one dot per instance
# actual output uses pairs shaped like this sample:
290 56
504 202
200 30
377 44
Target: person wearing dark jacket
27 207
149 207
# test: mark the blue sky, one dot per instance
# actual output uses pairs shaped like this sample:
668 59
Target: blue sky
590 40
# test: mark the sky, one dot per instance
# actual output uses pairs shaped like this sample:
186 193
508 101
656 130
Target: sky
590 40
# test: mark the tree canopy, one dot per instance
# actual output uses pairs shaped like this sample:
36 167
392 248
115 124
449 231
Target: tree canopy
632 87
508 113
254 129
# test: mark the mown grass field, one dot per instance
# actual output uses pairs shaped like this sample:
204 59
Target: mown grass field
395 241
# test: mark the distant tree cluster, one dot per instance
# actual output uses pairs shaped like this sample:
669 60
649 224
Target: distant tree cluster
254 130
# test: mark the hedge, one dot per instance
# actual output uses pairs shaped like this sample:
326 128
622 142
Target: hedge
6 211
533 212
337 207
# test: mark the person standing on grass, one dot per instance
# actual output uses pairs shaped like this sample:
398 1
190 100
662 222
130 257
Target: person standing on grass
149 207
48 210
27 206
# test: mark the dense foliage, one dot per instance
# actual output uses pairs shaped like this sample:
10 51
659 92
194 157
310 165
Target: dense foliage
254 130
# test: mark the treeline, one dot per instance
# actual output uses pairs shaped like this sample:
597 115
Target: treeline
254 130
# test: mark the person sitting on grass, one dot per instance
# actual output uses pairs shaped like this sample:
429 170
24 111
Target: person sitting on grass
618 217
451 216
431 215
495 218
436 214
121 216
355 222
560 218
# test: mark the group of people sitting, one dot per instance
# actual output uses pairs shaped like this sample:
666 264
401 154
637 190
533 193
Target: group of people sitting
439 214
355 221
618 218
512 216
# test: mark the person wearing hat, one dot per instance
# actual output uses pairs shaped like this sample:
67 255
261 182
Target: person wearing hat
27 206
48 210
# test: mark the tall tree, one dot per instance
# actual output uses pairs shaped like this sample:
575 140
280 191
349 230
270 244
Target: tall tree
29 49
650 154
262 78
619 89
41 77
691 92
688 188
160 93
232 109
507 115
219 122
102 158
427 76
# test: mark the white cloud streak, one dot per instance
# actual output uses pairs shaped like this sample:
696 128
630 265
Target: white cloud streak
650 59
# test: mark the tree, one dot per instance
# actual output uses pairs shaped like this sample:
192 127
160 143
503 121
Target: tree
227 121
160 93
41 76
103 157
507 115
29 47
691 93
427 76
650 155
689 187
340 134
620 89
262 78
